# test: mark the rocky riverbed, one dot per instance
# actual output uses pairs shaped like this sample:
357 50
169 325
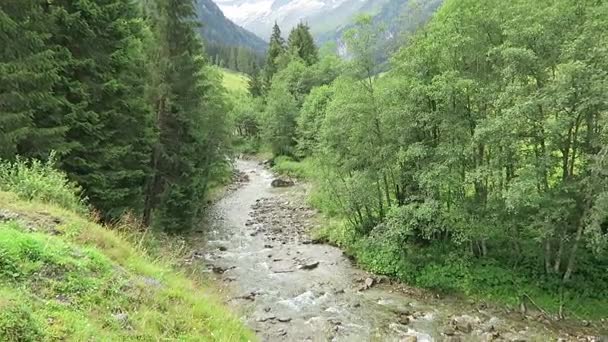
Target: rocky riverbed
290 288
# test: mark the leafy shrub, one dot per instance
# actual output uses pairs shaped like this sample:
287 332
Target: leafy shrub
453 274
304 169
36 180
246 145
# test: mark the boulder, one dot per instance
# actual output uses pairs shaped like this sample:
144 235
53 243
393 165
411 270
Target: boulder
449 331
367 284
310 266
404 320
282 183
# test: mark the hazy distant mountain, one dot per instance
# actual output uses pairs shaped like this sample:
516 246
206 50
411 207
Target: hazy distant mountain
258 16
397 18
219 29
328 19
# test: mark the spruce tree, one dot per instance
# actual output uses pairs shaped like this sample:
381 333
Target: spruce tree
276 48
29 70
109 121
301 43
256 84
185 107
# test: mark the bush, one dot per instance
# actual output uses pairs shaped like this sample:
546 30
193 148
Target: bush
35 180
304 169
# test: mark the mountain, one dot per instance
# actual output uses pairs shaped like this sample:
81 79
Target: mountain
217 29
397 18
328 19
258 16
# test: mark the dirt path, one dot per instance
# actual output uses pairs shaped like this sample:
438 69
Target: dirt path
291 289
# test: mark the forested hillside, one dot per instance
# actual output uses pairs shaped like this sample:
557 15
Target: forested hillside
227 44
475 165
125 96
216 28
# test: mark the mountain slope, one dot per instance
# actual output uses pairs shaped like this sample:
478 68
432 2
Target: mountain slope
395 17
219 29
328 19
258 16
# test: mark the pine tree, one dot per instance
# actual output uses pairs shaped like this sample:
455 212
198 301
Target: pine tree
256 84
302 43
275 49
108 118
29 70
233 60
185 109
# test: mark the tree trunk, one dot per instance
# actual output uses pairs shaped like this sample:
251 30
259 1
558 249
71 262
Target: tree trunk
574 250
558 256
547 256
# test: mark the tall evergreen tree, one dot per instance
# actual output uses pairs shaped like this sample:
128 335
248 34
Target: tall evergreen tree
185 107
29 70
301 43
108 118
256 84
276 48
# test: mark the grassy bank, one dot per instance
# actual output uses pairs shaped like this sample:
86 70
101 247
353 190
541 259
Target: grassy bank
235 81
448 268
64 277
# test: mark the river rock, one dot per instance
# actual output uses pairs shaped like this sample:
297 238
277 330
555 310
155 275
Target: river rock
409 339
121 318
6 216
449 331
405 320
310 266
218 270
367 284
282 183
266 318
464 323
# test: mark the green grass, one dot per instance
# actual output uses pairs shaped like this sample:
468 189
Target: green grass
235 81
64 277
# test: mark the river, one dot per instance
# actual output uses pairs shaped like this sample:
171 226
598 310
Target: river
289 289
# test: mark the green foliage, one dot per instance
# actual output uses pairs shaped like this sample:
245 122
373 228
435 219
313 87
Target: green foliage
192 125
35 180
302 44
234 81
123 92
279 120
477 164
109 121
275 49
30 71
304 169
17 321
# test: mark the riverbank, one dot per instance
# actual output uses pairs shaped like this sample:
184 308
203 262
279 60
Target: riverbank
511 294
